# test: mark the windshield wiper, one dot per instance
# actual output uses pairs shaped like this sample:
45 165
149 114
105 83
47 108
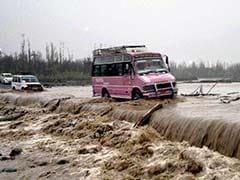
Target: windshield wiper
151 71
162 70
147 72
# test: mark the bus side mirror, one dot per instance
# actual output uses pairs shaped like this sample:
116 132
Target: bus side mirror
167 62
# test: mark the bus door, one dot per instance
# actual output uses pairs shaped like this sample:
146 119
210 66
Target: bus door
127 79
119 83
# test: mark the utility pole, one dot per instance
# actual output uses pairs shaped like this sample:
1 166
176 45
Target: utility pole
23 46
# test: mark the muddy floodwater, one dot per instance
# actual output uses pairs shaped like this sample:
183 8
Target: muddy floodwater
65 133
184 88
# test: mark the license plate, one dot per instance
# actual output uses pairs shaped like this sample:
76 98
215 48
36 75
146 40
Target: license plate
163 91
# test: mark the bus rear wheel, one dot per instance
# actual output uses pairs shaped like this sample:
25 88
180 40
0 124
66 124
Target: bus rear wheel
136 94
105 93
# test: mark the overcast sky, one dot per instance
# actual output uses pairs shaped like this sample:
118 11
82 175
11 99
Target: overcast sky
186 30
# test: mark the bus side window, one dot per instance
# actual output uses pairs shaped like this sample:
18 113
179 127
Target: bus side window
108 59
118 58
119 69
127 58
104 70
111 70
96 70
126 68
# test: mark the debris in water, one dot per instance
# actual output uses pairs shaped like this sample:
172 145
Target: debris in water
147 115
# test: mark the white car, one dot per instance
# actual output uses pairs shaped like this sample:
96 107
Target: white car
6 78
26 82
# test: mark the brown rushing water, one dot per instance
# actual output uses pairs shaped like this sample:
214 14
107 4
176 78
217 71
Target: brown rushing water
202 121
64 123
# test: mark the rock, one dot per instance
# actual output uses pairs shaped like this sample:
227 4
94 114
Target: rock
62 161
4 158
15 152
9 170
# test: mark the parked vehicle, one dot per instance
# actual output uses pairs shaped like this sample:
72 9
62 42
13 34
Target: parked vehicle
131 72
26 82
6 78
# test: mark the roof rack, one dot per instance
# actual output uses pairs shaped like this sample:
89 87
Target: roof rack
118 49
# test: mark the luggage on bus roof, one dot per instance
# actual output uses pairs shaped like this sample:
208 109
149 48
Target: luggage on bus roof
118 49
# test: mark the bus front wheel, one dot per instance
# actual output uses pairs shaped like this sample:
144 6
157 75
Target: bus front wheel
136 94
105 93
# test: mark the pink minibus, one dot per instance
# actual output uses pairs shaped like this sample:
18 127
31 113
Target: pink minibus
131 72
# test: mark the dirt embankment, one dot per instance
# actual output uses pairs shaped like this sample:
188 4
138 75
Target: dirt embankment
95 139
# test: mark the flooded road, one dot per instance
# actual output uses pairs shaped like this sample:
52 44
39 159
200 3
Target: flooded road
220 88
65 133
184 88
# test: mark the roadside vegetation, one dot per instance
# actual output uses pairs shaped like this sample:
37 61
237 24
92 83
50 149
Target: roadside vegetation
201 70
58 66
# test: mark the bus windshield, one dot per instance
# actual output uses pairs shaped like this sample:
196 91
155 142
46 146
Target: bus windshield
150 66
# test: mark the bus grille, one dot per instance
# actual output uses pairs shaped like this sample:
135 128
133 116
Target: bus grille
165 85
